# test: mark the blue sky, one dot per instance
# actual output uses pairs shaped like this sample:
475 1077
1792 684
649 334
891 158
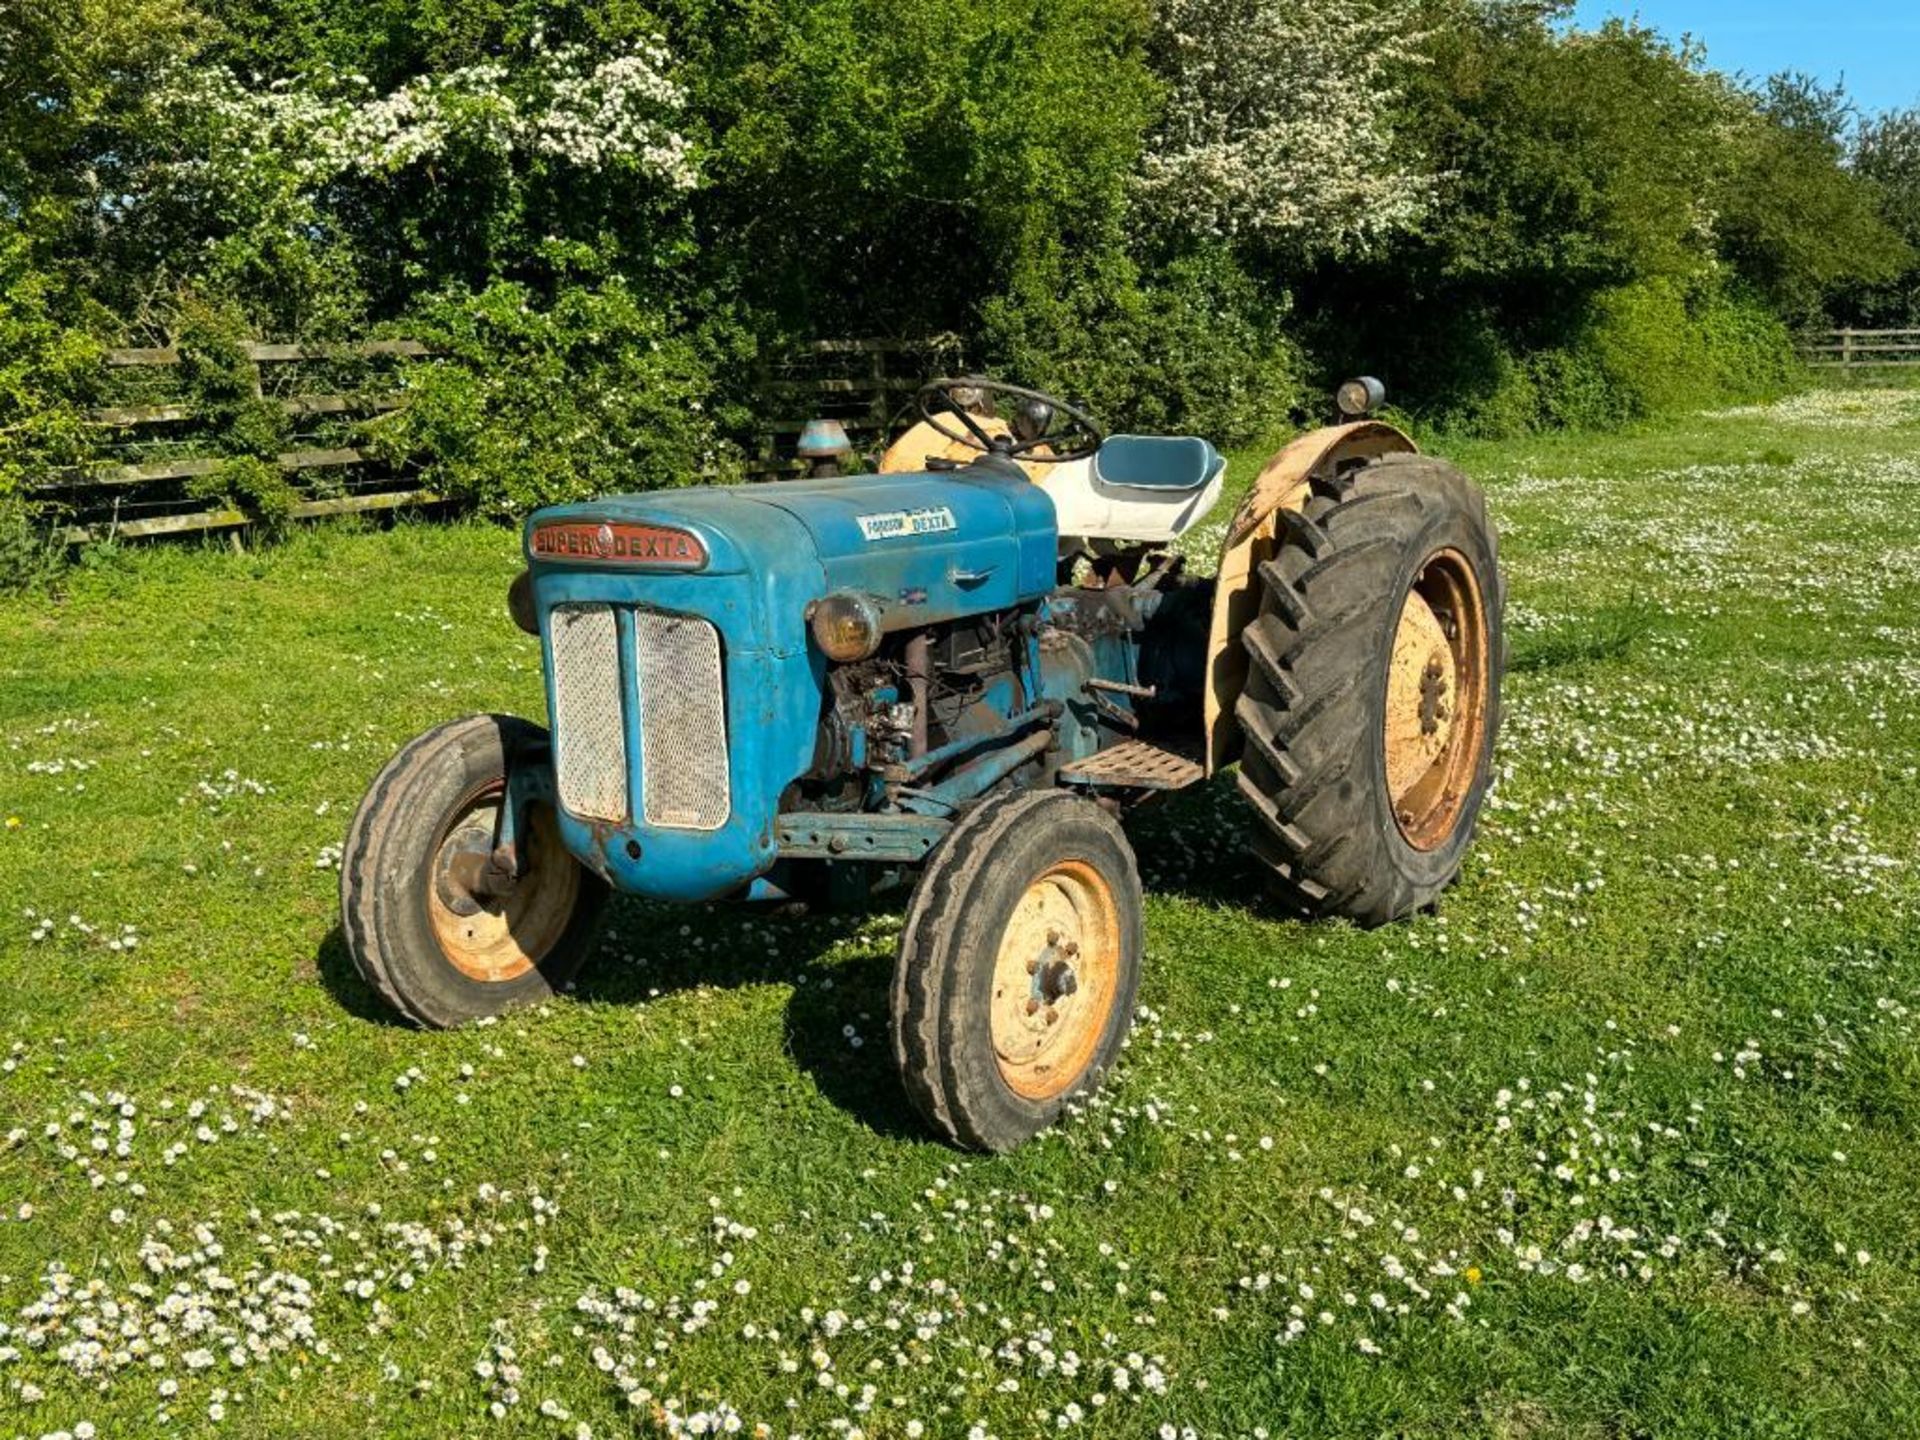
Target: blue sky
1873 44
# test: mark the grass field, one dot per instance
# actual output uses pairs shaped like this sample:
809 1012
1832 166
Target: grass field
1621 1143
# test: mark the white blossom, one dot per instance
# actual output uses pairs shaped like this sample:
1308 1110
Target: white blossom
1279 122
560 105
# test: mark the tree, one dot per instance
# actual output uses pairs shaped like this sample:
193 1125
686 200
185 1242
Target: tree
1886 152
74 75
1791 218
1279 125
893 164
290 195
1576 160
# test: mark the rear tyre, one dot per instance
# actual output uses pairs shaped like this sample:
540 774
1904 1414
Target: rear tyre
1373 690
1013 990
427 945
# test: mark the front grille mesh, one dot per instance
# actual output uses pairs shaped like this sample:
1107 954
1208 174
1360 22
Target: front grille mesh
684 778
590 740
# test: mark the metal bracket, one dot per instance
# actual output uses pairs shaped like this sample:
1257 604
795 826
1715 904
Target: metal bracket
529 782
817 835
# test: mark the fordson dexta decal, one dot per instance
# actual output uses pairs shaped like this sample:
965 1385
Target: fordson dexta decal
896 523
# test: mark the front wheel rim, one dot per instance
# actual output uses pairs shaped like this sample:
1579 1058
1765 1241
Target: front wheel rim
1055 979
508 936
1436 712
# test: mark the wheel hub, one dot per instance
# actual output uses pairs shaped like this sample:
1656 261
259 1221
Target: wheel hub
1433 691
491 925
469 873
1054 980
1436 699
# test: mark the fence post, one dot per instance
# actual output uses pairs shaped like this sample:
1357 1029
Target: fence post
1846 348
882 408
234 542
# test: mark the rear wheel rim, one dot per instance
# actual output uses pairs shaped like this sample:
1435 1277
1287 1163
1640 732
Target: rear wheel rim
1436 713
1055 979
508 936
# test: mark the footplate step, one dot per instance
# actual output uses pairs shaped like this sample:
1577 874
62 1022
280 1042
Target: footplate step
1134 765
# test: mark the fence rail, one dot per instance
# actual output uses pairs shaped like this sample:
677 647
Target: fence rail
261 353
1862 349
154 442
157 441
864 384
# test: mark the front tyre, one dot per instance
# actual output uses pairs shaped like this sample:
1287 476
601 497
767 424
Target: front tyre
1373 690
1014 985
422 938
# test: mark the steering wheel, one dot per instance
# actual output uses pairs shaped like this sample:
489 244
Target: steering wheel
1042 430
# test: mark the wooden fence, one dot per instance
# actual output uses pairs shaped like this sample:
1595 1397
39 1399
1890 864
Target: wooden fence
155 444
864 384
1862 349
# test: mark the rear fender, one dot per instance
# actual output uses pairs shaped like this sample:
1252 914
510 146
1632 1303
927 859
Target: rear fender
1284 484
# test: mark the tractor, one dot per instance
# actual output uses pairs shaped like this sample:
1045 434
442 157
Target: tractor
961 671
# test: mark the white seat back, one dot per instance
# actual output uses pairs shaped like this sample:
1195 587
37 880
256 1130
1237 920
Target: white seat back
1091 508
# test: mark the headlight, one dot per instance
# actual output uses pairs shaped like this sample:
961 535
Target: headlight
520 603
845 626
1359 398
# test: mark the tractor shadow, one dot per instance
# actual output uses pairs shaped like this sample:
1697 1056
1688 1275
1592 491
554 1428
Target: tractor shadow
861 1081
352 994
839 966
1194 845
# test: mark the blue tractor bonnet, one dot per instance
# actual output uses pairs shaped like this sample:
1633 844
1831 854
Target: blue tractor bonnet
922 548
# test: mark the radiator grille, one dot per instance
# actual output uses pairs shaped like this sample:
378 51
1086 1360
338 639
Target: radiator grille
684 779
590 741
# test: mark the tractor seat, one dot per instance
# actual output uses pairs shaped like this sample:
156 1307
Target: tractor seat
1147 488
1156 462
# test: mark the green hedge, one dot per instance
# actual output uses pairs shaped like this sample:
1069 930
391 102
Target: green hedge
530 404
604 215
1641 350
48 371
